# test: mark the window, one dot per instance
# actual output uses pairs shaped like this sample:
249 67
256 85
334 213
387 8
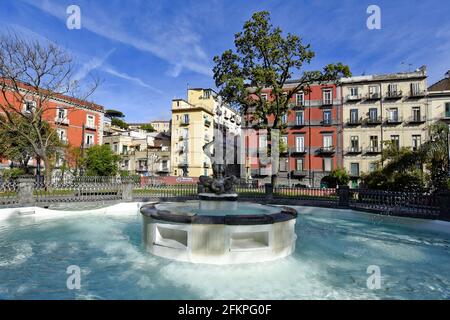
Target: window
300 143
61 113
354 169
353 115
185 118
415 88
283 165
327 117
29 106
327 96
416 114
373 114
206 94
299 165
262 142
393 114
90 121
392 88
164 165
447 109
299 118
300 99
395 139
354 143
373 166
62 135
264 96
327 164
416 141
327 141
374 91
284 119
353 92
373 143
89 140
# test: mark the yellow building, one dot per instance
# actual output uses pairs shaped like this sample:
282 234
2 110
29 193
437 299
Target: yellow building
439 99
193 123
378 108
161 125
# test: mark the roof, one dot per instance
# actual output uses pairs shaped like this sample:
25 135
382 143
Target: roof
441 85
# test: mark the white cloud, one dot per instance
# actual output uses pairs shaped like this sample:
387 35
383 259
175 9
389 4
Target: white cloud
175 42
110 70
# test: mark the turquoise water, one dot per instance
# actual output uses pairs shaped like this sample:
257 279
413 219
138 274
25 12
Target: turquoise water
334 249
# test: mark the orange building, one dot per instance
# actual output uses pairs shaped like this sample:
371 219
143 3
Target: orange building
78 123
312 139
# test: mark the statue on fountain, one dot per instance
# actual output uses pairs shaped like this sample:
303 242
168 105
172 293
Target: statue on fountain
219 183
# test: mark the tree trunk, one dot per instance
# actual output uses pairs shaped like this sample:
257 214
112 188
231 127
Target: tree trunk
48 172
273 179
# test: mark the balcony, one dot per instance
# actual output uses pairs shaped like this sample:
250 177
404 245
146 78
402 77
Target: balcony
297 106
62 121
417 119
327 150
328 122
299 173
184 122
354 98
296 124
90 126
327 102
87 145
373 150
417 93
393 120
297 152
373 121
393 95
207 123
354 150
128 153
354 122
373 96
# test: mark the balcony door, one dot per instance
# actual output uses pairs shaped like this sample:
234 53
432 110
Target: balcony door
354 115
373 114
300 143
327 141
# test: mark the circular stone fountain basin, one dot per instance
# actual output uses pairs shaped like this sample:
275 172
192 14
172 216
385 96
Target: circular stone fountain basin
219 232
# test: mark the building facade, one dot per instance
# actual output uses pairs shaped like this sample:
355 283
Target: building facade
381 108
193 123
77 123
161 125
145 155
439 99
310 144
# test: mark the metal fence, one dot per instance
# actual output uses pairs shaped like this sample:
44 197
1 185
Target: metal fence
9 192
306 193
410 203
184 191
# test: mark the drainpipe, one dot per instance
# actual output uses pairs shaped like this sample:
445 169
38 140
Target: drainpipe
381 126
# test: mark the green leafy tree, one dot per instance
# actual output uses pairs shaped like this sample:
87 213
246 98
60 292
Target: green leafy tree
265 58
110 113
119 123
147 127
101 161
338 177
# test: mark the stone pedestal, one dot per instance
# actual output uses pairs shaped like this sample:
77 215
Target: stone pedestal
25 193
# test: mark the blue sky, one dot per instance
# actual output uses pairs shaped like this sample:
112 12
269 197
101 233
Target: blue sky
147 52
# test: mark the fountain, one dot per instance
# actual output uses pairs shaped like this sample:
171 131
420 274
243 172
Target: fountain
217 228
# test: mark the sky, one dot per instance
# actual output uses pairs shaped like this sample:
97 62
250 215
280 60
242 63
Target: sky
148 52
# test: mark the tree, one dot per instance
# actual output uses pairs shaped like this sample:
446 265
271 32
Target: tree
338 177
101 161
119 123
147 127
266 59
16 148
110 113
33 73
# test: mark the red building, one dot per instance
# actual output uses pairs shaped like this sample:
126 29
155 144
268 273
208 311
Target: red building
313 147
78 123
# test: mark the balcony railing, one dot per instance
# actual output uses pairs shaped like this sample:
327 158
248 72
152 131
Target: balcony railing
90 126
394 94
373 150
184 122
327 122
297 123
394 120
327 102
354 122
354 150
62 121
374 120
299 173
417 119
373 96
297 151
327 150
354 97
417 93
207 123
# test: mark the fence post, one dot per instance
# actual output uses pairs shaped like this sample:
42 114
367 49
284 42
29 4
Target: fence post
25 192
127 189
268 188
344 195
444 204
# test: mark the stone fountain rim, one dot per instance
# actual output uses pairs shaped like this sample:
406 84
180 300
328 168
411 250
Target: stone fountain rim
285 214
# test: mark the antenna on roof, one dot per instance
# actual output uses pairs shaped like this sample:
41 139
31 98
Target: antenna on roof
408 64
